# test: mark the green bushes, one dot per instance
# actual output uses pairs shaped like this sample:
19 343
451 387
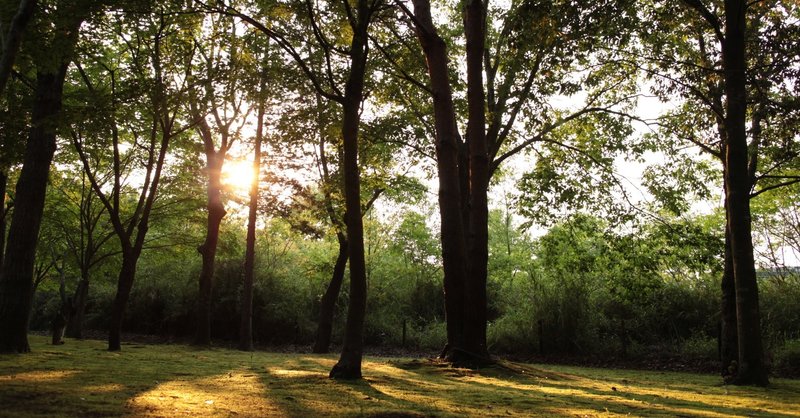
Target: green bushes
786 359
582 289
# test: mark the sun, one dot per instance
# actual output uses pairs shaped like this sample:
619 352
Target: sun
237 175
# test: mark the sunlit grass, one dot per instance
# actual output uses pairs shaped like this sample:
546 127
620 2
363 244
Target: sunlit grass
81 378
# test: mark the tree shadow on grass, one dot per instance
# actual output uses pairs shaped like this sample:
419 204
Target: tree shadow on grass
83 379
566 394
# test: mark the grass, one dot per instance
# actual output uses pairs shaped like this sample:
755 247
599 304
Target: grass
82 379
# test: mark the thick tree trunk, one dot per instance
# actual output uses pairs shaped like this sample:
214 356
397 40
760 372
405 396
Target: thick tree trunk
751 369
208 250
124 285
450 188
349 364
328 302
14 38
478 247
75 324
16 281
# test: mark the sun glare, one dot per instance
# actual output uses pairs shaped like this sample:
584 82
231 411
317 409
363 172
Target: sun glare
237 175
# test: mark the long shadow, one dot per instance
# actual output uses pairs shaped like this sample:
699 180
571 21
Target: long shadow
600 401
307 391
130 382
183 381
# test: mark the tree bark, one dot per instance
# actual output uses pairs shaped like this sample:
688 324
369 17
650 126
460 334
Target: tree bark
751 369
328 302
728 349
349 364
75 324
124 285
246 324
16 281
13 39
208 250
3 214
478 250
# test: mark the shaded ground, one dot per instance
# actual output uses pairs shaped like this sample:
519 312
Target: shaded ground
81 378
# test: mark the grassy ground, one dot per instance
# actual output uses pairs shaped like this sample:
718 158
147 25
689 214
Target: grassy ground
82 379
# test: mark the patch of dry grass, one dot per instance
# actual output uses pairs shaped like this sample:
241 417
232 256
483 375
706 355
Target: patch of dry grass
81 378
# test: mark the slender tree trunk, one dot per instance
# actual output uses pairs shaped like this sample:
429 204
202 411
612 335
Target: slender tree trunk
728 349
75 324
208 250
246 324
14 38
124 285
450 188
349 364
328 303
16 281
751 368
3 214
478 256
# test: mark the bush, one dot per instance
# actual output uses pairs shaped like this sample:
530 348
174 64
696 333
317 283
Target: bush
699 347
786 359
432 337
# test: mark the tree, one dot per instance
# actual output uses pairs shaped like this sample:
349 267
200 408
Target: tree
246 325
515 88
221 100
75 211
358 19
53 48
698 68
751 368
152 128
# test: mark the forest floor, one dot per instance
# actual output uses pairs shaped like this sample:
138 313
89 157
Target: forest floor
82 379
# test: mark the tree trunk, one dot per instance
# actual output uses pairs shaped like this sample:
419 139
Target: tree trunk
75 324
751 369
16 281
124 285
246 324
208 250
328 303
349 364
447 164
478 247
728 350
14 38
3 213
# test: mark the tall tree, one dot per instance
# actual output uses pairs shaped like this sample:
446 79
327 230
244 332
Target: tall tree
738 182
246 324
350 98
516 87
53 45
222 102
152 130
697 68
447 160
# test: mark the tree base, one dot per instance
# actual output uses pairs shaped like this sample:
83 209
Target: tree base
16 347
459 357
752 379
345 371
